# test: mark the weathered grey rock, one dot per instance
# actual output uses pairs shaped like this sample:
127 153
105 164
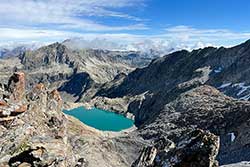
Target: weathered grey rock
206 108
194 149
38 136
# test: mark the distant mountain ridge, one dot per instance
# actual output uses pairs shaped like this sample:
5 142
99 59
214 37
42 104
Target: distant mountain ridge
56 63
219 66
149 48
5 53
15 49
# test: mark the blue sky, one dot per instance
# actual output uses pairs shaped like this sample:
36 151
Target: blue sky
172 23
204 14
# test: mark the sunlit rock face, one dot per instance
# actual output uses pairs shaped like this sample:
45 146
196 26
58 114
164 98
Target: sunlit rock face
16 86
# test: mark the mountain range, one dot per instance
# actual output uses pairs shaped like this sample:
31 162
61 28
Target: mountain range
190 108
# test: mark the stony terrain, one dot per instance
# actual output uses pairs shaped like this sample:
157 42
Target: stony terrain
181 117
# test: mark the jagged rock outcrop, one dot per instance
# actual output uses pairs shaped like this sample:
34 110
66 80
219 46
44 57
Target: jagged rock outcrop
16 86
13 102
38 136
195 149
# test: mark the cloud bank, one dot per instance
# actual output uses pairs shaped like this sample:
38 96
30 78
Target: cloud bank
85 21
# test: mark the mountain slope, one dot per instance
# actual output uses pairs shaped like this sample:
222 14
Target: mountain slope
101 65
178 67
166 77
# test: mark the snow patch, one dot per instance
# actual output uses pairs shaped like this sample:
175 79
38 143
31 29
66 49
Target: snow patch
247 97
232 136
242 87
224 85
218 70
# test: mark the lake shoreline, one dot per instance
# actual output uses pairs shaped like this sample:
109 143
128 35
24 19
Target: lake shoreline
72 105
103 120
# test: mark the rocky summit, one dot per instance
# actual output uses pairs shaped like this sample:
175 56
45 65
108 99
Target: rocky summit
190 108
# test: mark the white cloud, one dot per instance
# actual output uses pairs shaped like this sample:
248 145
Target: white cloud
174 38
66 14
216 36
29 34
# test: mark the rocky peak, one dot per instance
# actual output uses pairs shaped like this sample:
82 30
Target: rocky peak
13 100
55 95
16 86
47 56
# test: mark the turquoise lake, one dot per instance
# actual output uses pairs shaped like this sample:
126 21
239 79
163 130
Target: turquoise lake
101 119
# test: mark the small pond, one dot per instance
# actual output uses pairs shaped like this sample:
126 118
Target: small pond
101 119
